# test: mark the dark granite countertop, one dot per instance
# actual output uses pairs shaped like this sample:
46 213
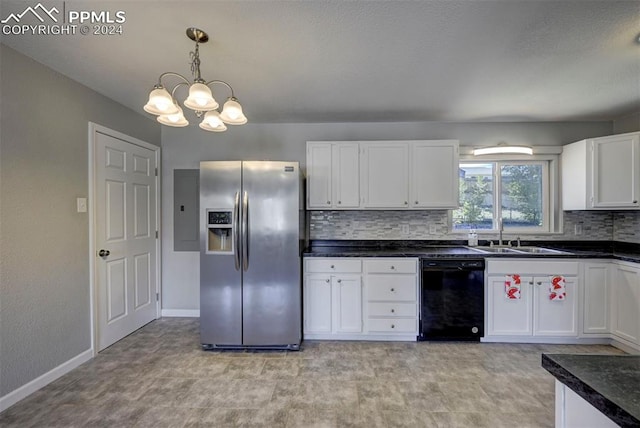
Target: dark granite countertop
610 383
459 249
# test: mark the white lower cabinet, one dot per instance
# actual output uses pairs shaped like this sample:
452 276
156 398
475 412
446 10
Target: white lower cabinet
392 297
595 303
336 289
625 302
317 303
332 296
534 314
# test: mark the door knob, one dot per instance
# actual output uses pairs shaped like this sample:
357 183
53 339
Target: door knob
104 253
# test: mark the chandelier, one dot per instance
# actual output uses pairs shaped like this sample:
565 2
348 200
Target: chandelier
164 104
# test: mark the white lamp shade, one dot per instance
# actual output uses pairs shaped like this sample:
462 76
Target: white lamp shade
232 113
200 98
502 150
177 120
160 102
212 122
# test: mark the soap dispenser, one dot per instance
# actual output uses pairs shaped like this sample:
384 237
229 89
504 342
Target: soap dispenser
472 238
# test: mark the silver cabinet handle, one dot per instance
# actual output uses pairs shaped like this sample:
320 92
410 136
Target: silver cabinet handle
539 283
104 253
339 281
393 289
635 202
328 202
393 311
393 326
327 281
339 202
392 267
406 203
333 267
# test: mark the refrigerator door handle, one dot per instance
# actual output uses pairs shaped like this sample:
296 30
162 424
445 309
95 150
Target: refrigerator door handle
245 231
236 231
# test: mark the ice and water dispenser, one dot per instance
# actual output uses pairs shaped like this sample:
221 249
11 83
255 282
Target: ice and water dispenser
220 232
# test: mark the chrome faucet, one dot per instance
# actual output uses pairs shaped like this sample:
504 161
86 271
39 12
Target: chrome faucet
500 230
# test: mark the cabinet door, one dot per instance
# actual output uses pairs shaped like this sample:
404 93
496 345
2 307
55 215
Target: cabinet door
508 317
616 171
596 298
346 175
385 175
555 317
317 304
626 303
319 175
434 175
348 303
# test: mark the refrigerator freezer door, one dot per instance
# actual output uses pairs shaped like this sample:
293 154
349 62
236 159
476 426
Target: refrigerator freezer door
271 291
220 281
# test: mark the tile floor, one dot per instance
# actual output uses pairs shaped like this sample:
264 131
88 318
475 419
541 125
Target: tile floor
159 377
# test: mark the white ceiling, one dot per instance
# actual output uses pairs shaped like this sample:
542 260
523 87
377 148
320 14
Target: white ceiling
361 61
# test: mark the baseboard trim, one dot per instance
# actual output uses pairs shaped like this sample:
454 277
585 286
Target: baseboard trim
40 382
188 313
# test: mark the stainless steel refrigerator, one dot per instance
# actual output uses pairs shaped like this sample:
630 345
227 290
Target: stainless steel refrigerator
251 236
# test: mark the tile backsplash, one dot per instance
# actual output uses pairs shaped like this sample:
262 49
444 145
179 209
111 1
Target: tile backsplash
595 225
626 226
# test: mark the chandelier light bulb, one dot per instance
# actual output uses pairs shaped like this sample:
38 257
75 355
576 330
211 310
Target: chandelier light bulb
212 122
232 113
176 119
160 102
200 98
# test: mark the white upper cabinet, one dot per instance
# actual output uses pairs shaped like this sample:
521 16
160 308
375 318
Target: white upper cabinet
602 173
346 175
382 174
333 175
319 176
434 174
385 175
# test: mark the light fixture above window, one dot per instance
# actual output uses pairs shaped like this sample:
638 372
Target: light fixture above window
164 104
503 148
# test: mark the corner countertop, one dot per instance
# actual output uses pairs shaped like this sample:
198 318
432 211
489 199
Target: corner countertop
459 249
610 383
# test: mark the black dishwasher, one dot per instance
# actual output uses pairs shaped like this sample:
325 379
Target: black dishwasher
452 299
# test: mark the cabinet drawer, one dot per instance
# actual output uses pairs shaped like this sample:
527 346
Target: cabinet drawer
391 266
392 287
402 325
392 309
332 265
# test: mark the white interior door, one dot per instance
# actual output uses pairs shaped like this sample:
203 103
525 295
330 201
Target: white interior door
125 237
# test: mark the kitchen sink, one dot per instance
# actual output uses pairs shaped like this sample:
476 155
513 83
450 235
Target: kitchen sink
499 250
520 250
539 250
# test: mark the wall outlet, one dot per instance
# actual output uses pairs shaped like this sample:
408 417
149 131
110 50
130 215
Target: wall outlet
404 229
433 229
577 229
81 205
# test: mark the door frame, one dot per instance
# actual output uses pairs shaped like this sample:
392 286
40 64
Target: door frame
94 129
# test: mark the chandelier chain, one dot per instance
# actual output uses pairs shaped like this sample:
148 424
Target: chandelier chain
195 63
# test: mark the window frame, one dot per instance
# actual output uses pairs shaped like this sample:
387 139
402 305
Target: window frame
552 214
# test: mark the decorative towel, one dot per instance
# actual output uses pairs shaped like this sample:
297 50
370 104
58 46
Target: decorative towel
512 287
557 288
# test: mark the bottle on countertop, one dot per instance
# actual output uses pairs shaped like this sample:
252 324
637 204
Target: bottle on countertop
472 238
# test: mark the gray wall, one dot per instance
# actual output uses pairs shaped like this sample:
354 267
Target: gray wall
44 242
628 123
186 147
